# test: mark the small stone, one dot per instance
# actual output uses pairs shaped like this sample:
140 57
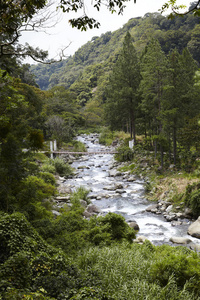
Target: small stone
169 208
140 239
152 208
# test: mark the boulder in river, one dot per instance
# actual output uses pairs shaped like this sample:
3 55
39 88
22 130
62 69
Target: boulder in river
194 229
114 173
152 208
134 225
92 208
180 240
140 239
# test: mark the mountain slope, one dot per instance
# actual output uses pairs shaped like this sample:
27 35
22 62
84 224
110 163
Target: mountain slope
102 51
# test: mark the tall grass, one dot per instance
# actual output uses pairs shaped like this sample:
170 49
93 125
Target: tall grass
125 273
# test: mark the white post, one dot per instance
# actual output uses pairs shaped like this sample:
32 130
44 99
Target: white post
131 144
55 145
51 149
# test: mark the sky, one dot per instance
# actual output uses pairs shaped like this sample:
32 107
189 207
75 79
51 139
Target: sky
62 35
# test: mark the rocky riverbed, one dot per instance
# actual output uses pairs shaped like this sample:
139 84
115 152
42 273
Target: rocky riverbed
124 193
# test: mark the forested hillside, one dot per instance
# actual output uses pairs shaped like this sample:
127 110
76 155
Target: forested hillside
101 52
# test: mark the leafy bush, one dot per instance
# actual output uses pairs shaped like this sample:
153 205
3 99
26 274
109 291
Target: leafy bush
183 264
92 293
48 177
124 154
192 198
79 194
58 166
48 168
79 147
106 137
61 167
16 234
29 264
32 199
112 227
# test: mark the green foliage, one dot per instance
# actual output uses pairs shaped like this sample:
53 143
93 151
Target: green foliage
79 194
18 235
110 228
29 264
78 146
48 177
106 137
94 293
57 166
183 265
36 139
33 197
125 271
61 167
124 153
192 198
47 167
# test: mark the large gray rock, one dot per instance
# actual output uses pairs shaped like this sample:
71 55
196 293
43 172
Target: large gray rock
152 208
194 229
180 240
134 225
63 189
93 209
114 173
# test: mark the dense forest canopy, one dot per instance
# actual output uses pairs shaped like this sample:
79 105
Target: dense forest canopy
171 33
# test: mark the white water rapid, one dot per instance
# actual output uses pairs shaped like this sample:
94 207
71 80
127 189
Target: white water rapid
116 194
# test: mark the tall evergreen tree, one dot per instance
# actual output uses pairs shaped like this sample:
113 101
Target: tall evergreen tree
153 70
179 94
122 91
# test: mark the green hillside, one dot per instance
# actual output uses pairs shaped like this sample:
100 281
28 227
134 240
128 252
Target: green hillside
95 59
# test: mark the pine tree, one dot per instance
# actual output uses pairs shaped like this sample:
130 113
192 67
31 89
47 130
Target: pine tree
122 91
153 70
179 94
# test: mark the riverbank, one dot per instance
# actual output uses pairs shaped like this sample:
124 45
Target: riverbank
133 189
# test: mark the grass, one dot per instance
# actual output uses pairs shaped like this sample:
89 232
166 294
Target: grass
125 271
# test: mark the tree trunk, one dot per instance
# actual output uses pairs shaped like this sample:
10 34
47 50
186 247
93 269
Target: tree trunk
174 144
161 156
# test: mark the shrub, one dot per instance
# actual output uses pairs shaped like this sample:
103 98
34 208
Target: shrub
192 198
32 199
79 194
48 177
124 154
183 265
29 266
112 227
79 147
48 168
106 137
18 235
61 167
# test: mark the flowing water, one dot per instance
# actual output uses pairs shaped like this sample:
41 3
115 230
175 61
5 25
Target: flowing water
117 195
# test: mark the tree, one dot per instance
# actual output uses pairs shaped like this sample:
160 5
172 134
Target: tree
177 9
122 91
153 70
15 17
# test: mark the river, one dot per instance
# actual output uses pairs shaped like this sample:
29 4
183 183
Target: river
118 195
